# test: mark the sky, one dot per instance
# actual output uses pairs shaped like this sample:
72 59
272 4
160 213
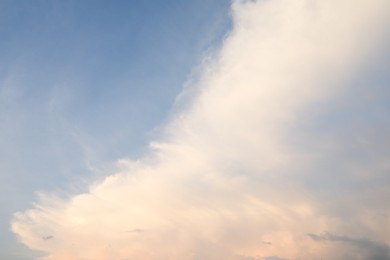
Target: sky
83 83
243 130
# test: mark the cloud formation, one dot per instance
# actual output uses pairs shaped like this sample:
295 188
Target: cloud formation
367 249
270 149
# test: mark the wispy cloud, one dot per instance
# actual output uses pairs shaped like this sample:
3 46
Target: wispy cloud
366 247
244 163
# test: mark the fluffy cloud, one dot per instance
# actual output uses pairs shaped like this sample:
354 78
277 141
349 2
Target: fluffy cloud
270 149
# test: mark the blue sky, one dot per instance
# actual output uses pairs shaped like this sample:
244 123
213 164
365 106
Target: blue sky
195 130
85 83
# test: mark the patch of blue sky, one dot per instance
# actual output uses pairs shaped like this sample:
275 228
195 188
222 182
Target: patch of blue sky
86 82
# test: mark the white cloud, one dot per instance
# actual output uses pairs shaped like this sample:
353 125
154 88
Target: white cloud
232 178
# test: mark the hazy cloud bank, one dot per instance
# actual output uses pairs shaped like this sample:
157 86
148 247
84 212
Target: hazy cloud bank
273 147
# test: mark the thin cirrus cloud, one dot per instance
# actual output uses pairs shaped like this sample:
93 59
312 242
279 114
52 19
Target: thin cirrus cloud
283 140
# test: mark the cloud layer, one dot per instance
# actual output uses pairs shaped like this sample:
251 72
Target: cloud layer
272 147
